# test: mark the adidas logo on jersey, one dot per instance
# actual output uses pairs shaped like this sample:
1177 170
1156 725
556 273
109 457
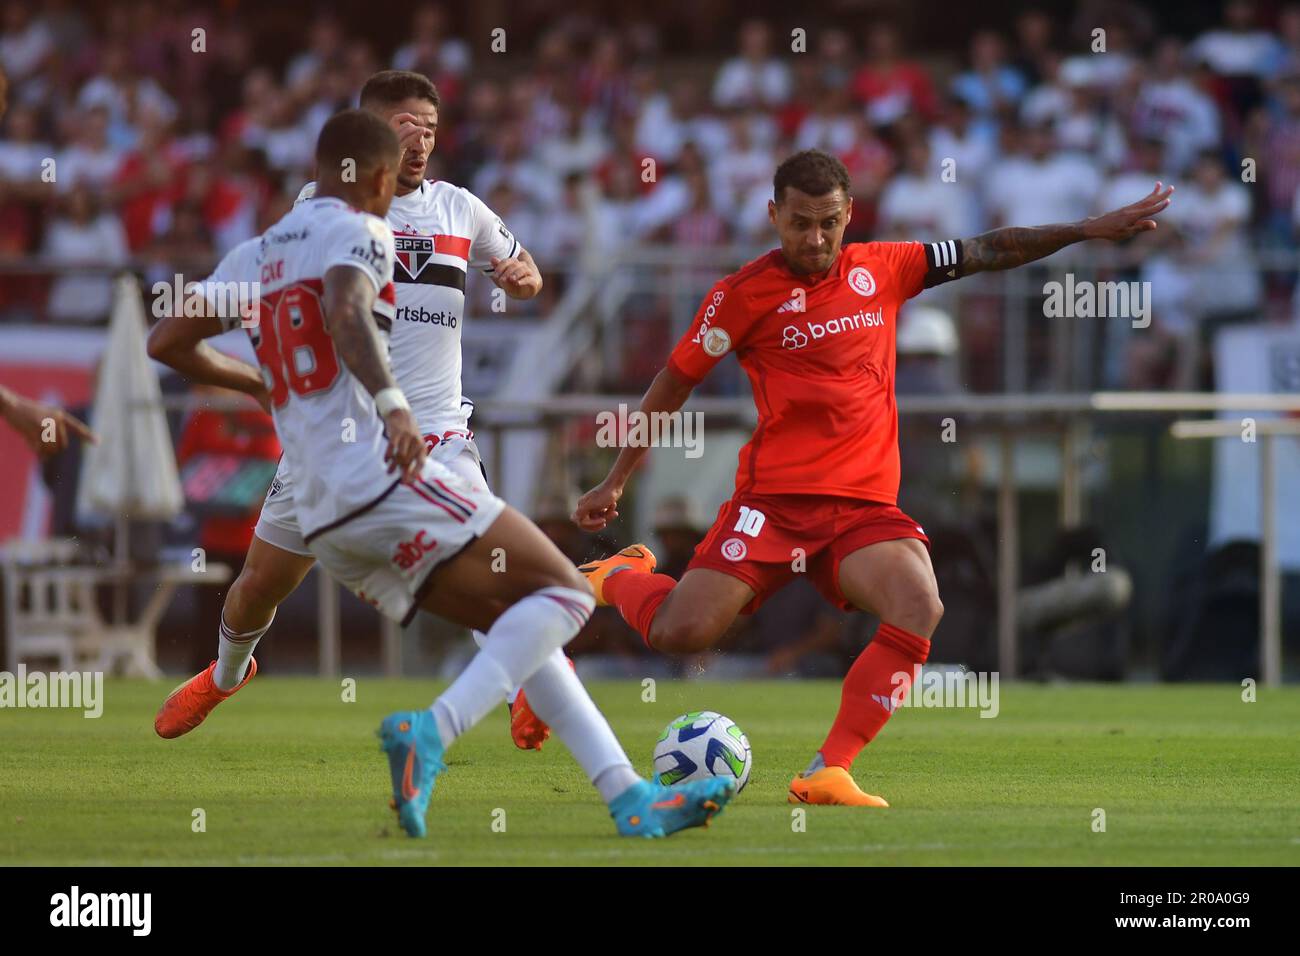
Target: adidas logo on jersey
417 314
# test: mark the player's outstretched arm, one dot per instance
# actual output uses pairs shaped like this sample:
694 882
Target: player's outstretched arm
45 428
349 309
598 507
178 341
1017 245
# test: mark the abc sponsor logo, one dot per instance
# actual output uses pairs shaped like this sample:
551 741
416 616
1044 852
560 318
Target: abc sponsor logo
408 553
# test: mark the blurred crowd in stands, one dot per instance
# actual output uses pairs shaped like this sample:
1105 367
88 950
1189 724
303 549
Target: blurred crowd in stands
594 137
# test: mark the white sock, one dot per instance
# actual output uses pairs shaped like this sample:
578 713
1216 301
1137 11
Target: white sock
233 652
520 642
479 638
558 697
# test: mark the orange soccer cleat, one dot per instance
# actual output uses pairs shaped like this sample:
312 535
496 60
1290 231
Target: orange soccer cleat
636 557
527 730
189 705
831 786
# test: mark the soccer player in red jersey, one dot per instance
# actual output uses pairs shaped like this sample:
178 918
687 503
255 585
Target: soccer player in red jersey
812 324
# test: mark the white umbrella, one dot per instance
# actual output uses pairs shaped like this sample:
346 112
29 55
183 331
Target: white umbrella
131 472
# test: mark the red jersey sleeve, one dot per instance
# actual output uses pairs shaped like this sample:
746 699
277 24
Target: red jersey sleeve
719 327
909 264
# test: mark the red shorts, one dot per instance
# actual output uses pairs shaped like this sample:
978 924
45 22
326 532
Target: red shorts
766 541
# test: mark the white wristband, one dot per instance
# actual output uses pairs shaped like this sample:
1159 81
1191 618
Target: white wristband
389 400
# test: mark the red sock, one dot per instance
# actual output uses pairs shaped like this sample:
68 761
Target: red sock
870 691
637 597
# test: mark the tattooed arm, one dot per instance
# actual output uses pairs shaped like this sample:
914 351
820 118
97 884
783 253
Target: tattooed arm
349 318
1017 245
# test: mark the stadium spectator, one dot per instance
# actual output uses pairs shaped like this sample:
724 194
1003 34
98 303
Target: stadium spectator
1035 44
920 202
959 136
1279 165
991 86
431 50
84 237
26 44
888 85
1213 218
89 160
1037 184
755 77
1171 107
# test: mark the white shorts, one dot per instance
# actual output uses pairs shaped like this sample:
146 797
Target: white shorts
386 552
278 523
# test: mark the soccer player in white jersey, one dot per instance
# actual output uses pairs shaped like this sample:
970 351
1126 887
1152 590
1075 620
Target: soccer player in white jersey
399 529
440 231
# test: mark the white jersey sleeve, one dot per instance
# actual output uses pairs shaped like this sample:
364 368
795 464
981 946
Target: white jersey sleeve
230 288
363 242
489 236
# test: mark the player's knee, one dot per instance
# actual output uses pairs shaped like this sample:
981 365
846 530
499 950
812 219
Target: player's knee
686 636
566 576
252 599
918 610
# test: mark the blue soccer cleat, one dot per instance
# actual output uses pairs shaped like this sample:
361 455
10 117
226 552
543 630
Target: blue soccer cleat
649 810
414 748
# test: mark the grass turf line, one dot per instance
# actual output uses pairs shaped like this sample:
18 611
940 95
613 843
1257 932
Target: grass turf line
287 773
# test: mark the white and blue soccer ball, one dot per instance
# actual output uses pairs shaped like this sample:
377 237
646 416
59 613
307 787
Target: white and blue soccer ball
700 745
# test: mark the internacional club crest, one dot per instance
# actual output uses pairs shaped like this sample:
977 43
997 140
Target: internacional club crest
862 282
733 549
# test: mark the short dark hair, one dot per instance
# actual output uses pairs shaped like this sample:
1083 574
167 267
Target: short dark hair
812 171
359 136
392 86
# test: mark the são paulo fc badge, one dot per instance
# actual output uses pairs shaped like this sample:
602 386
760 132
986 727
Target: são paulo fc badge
862 282
733 549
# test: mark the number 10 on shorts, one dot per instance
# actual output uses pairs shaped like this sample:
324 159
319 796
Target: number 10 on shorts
750 521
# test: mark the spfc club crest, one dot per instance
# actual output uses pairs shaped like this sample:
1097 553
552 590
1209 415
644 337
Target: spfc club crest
413 253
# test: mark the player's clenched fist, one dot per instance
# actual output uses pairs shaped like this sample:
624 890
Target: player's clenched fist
598 507
406 447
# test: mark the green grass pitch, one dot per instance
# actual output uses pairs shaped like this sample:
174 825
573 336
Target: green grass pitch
288 773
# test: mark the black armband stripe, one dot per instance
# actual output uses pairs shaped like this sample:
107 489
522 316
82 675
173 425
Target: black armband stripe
943 261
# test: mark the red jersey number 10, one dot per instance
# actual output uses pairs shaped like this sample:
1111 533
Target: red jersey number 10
291 342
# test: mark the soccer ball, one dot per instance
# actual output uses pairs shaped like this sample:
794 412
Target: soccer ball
700 745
